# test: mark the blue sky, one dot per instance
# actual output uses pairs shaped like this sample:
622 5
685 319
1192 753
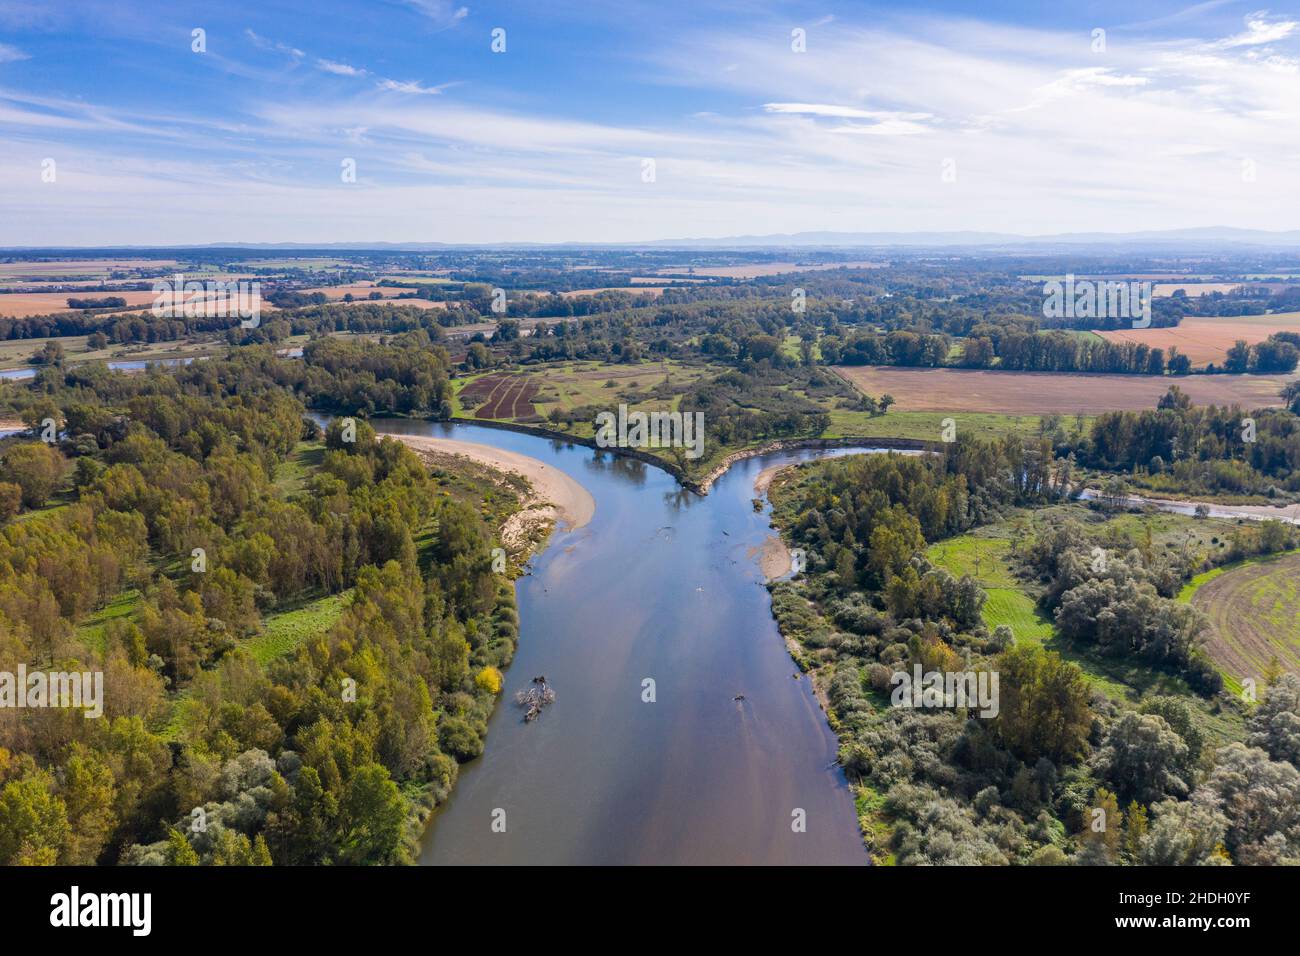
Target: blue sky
990 116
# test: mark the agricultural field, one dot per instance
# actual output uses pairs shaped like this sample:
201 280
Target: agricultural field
1192 289
650 290
358 290
417 278
81 268
310 264
502 396
571 385
20 305
1206 340
1052 393
1254 612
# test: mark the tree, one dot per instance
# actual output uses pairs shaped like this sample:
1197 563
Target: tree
36 468
179 851
488 679
1144 758
373 812
1185 833
88 793
1260 801
1238 357
33 821
1275 725
1043 708
11 500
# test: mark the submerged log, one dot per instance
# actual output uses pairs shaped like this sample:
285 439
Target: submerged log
535 698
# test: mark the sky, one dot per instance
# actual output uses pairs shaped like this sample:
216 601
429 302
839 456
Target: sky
541 121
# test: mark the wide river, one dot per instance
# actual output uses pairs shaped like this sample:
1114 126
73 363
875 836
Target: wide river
662 585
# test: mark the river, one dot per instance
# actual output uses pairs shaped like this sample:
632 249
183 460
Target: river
662 585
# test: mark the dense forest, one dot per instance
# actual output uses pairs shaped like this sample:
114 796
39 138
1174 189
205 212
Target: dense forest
168 490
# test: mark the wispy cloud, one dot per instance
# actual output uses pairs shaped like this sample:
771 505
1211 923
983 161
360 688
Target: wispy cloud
1260 29
263 43
747 135
340 69
412 86
11 54
442 12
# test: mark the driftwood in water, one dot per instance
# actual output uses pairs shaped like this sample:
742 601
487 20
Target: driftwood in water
535 698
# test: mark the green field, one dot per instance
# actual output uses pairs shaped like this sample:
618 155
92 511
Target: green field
1254 612
92 631
987 556
986 560
285 630
928 426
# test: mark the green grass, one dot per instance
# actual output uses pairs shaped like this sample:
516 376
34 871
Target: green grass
285 630
1275 598
986 560
93 630
1205 577
928 426
295 471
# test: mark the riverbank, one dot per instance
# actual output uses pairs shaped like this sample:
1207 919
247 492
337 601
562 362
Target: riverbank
1287 513
701 485
554 498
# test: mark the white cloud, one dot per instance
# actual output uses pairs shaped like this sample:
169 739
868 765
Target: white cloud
340 69
1046 136
1259 30
442 12
412 86
11 54
263 43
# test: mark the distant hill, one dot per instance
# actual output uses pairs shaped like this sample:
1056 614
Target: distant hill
1202 238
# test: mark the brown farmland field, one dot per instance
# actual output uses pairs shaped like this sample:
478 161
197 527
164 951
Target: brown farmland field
504 397
80 267
22 304
1206 340
1193 289
1052 393
359 290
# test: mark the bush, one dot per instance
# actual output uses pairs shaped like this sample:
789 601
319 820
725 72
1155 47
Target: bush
488 679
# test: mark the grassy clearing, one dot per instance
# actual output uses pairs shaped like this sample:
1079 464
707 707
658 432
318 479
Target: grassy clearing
14 353
285 630
293 474
987 556
93 630
987 561
928 426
